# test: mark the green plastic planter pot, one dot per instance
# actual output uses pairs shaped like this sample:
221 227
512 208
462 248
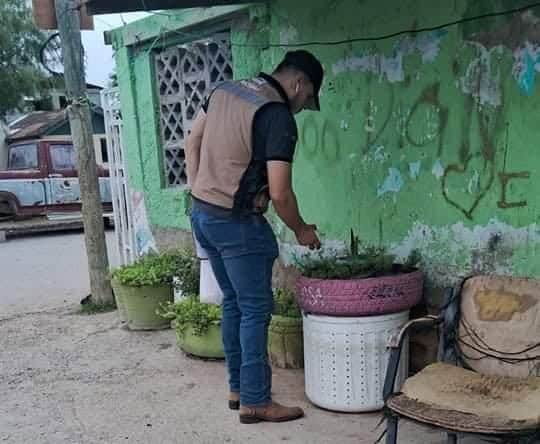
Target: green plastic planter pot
140 305
285 342
118 296
208 345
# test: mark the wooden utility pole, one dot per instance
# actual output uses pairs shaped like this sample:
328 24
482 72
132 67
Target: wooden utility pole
69 27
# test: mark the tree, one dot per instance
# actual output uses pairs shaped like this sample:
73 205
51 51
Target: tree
20 41
113 79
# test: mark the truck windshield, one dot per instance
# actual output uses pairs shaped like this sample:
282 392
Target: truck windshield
23 157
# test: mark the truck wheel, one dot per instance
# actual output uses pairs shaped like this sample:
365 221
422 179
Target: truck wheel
8 209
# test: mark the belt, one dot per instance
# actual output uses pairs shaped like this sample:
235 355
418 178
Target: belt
225 213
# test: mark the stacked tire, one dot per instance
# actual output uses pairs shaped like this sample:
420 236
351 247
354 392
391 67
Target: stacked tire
347 327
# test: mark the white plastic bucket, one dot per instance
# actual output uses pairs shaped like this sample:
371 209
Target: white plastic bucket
346 360
201 252
210 292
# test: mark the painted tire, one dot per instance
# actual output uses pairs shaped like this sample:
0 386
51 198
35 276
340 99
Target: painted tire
360 297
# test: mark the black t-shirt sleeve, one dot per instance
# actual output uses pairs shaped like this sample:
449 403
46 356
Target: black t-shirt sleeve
276 131
204 106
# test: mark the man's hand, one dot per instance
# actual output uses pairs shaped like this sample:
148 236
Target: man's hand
307 237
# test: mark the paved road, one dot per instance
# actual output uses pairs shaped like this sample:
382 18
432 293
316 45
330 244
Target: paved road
38 272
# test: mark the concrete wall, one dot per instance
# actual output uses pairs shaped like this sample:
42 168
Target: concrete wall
425 140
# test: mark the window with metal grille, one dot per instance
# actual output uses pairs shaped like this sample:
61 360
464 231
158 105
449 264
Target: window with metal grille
185 75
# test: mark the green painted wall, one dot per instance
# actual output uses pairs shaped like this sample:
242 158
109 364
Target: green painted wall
425 140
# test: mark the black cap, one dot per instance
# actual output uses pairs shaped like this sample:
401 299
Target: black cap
307 63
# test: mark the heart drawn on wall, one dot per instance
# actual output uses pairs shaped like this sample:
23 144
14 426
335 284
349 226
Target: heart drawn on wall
468 202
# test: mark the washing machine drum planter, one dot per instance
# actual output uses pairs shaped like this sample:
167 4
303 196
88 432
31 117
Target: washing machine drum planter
360 297
345 360
210 292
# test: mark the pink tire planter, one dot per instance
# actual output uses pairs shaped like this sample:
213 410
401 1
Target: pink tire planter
360 297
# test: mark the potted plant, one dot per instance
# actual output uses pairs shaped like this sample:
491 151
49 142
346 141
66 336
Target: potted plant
365 282
197 325
140 288
186 279
285 341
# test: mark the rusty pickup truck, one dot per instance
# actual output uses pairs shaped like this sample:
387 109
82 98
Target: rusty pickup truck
41 178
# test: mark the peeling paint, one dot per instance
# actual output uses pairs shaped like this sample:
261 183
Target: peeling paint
288 35
392 184
482 79
369 126
526 65
376 153
512 33
414 169
474 183
427 44
438 169
391 67
387 67
451 252
379 155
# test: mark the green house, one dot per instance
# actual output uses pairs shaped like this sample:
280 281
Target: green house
427 137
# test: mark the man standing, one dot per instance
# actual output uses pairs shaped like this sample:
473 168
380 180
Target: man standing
239 157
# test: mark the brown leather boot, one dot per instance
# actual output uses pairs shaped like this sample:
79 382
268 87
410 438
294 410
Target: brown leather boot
273 412
234 401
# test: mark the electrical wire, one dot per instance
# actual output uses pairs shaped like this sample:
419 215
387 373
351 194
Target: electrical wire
368 38
191 36
409 31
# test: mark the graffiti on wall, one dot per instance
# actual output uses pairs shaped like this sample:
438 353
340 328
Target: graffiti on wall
144 238
469 167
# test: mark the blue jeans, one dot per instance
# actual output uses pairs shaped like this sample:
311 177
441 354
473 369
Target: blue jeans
242 252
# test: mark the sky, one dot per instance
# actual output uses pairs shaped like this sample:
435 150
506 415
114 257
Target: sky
100 62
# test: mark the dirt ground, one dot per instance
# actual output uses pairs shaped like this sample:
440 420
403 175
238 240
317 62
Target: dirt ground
72 378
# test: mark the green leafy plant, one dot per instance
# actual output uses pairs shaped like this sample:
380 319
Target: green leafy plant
285 304
188 273
414 259
363 261
190 312
346 268
160 269
21 73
